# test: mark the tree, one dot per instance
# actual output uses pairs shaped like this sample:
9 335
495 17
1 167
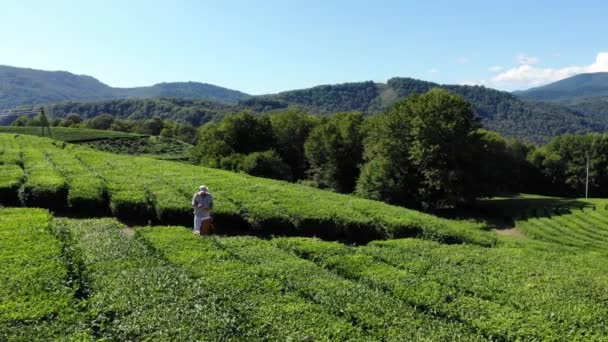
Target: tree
72 120
241 133
291 129
334 150
103 121
23 120
151 126
427 144
266 164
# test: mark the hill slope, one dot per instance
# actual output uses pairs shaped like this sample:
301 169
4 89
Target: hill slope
199 103
573 89
20 86
64 177
498 110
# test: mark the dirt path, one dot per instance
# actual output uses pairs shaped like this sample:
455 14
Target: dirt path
509 232
128 232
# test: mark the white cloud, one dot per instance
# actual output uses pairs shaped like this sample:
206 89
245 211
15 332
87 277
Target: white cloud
433 71
524 59
527 75
496 68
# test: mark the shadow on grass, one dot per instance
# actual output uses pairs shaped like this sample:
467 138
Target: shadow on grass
501 213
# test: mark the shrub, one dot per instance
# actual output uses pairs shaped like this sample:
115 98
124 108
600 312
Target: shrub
11 177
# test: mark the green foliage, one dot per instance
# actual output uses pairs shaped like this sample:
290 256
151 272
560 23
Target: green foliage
425 145
489 290
266 164
11 177
334 150
68 134
563 163
242 133
101 122
86 190
144 189
194 112
22 86
292 129
35 301
581 87
44 187
132 287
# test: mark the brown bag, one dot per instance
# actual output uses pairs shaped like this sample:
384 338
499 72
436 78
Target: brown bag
207 226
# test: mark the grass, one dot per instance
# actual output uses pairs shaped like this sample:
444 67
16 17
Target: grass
148 190
68 134
113 141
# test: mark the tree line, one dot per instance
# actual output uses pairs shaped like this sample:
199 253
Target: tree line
427 151
154 126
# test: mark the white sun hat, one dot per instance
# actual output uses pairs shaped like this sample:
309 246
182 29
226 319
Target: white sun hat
203 188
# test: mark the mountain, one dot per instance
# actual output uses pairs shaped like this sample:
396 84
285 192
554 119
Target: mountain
575 89
498 110
513 115
20 86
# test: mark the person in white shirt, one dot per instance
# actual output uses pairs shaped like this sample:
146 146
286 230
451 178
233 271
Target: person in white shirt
202 203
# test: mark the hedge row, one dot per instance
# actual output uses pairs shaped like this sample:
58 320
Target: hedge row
44 186
86 190
502 293
274 309
11 177
148 190
35 301
137 295
380 315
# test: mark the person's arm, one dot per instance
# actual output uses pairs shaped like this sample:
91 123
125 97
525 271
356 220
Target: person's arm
194 204
210 202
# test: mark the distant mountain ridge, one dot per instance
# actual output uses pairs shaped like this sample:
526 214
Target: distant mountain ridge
512 115
578 88
21 86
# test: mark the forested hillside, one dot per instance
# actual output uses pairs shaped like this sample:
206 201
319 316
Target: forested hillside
578 88
198 103
195 112
20 86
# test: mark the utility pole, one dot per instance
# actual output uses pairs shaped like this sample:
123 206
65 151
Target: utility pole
587 178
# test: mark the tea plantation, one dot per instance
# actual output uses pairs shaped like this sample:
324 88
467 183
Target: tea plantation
379 273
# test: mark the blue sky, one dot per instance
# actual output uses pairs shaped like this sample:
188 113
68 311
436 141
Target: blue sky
269 46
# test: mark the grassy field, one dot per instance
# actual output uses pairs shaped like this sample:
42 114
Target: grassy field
97 279
68 133
568 222
138 276
115 142
77 180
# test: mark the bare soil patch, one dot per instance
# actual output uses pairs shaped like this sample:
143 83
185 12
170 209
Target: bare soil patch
128 232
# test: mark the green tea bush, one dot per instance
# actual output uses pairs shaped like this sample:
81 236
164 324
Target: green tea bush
86 190
142 189
35 301
503 293
11 177
274 309
380 315
44 187
137 295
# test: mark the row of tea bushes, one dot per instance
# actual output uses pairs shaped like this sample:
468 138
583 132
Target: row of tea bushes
147 190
